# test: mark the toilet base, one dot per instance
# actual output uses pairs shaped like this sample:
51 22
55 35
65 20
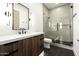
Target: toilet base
46 45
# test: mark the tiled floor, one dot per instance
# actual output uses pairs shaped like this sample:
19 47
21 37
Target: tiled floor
58 51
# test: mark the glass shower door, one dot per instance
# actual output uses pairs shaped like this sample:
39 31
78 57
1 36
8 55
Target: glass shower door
60 28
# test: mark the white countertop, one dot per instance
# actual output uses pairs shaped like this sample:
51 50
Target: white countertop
16 37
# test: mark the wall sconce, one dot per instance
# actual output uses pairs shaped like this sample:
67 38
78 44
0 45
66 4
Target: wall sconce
8 14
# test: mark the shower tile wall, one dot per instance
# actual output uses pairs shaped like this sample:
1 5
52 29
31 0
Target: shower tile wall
56 16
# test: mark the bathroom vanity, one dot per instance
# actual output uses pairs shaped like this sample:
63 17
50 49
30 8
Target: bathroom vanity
21 45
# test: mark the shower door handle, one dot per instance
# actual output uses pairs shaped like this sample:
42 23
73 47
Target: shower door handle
57 26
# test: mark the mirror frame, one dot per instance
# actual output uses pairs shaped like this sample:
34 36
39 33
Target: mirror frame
13 16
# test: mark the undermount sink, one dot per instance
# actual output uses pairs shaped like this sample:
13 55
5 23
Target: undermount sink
15 37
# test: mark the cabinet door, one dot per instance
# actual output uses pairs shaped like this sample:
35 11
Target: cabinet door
9 49
37 45
27 47
20 48
34 46
41 43
14 49
6 49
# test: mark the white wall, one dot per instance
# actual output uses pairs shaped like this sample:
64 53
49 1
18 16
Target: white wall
36 23
36 16
76 28
5 26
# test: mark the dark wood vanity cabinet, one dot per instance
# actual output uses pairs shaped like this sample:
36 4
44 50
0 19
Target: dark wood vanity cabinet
10 49
27 47
33 46
37 45
20 48
41 43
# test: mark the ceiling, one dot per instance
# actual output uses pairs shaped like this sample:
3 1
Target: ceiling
54 5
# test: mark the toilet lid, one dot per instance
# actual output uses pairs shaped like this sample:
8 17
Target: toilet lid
47 40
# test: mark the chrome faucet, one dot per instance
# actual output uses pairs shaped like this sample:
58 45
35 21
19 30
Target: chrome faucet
23 31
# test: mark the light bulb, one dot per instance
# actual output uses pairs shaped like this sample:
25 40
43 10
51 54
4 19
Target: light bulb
56 3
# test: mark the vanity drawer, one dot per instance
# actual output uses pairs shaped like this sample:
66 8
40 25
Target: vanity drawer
32 46
8 49
20 48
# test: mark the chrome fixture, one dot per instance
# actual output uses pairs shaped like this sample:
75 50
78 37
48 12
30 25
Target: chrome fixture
23 31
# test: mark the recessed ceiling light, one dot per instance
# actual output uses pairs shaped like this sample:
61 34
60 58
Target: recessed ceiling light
56 3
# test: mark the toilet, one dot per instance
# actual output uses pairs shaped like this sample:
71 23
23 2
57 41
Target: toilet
47 42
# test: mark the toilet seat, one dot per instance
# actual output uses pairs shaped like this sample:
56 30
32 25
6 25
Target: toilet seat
47 40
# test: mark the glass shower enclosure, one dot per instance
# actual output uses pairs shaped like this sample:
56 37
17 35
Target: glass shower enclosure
58 25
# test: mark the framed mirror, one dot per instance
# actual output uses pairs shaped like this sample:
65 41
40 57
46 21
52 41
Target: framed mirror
20 17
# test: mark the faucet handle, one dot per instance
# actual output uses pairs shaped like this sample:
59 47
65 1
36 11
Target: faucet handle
19 32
